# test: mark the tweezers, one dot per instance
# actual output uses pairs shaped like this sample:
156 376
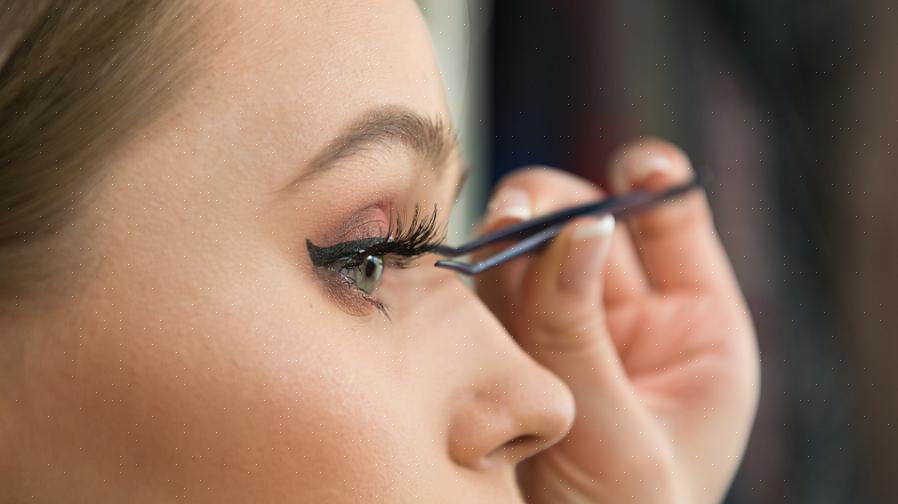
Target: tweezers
536 233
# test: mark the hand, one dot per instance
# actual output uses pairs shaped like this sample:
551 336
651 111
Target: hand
646 325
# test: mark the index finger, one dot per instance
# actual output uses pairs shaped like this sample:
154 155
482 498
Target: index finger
676 241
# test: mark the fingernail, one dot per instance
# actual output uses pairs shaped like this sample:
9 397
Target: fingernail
510 203
590 243
634 171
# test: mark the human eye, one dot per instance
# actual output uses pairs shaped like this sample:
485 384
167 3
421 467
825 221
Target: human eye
355 269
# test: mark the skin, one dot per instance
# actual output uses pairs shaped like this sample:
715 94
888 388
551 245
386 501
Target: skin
205 359
657 345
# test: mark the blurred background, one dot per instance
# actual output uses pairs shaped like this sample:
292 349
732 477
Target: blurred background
788 109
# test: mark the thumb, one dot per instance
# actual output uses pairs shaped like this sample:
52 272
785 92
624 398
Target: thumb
562 325
561 290
561 321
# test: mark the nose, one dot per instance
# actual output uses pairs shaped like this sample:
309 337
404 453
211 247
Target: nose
511 419
512 408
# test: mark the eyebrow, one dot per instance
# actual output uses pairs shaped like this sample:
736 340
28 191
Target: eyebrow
431 138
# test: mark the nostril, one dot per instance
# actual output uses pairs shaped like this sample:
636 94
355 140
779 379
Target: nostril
519 448
523 440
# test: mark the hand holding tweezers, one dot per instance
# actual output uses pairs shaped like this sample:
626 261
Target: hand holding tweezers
536 233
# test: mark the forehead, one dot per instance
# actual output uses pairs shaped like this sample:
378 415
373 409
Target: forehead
314 66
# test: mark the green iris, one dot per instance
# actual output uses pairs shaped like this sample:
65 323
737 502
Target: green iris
366 276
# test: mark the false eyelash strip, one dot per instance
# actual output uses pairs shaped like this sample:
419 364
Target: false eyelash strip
417 237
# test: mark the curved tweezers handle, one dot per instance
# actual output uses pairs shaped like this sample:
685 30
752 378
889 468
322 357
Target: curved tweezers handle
535 233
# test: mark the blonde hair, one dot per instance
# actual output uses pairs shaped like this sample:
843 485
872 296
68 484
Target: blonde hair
77 79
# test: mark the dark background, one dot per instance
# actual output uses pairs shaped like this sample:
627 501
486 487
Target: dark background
788 108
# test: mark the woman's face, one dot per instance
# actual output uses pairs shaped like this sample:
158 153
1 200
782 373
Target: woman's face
207 357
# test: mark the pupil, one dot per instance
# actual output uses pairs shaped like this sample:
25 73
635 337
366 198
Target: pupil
370 266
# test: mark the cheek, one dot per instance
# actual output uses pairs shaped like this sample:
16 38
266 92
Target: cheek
249 388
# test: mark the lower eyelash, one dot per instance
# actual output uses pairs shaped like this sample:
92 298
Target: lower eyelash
381 307
342 289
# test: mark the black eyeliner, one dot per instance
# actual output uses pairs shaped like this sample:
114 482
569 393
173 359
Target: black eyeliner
324 256
418 237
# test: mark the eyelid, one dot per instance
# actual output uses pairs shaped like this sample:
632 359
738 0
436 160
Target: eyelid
419 235
323 256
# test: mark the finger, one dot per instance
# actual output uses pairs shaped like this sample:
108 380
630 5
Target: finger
562 325
535 191
676 241
562 316
625 279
